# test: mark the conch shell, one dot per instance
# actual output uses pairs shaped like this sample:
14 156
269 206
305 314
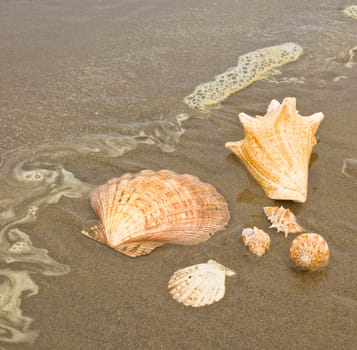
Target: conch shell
277 149
257 240
283 220
199 285
141 212
309 251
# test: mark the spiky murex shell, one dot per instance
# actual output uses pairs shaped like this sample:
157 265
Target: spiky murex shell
257 240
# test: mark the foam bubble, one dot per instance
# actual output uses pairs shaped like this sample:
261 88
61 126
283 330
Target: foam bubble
17 251
165 133
251 67
346 57
32 176
351 57
290 80
340 77
16 248
14 327
351 11
349 168
41 180
45 184
39 183
20 247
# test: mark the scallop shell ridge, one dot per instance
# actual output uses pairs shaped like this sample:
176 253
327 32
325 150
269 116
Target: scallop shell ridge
141 212
199 285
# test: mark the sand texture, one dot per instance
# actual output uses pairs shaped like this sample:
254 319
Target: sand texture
90 90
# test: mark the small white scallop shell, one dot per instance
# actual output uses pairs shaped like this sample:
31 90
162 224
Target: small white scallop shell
199 285
257 240
309 251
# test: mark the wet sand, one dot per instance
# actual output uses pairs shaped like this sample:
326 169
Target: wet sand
90 90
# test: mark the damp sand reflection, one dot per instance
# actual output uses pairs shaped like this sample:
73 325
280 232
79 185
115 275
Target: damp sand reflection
34 180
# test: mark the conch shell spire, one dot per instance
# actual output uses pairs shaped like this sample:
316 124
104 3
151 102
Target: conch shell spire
277 148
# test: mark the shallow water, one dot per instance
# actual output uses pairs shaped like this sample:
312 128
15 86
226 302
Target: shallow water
90 90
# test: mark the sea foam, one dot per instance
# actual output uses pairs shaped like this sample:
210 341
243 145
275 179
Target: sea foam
251 67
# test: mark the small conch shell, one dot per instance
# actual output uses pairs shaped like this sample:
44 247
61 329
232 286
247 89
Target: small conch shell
257 240
277 148
309 251
283 220
199 285
141 212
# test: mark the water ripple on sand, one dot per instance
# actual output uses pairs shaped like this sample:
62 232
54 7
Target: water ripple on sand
33 180
349 168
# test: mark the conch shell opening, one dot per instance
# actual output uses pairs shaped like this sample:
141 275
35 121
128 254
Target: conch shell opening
277 148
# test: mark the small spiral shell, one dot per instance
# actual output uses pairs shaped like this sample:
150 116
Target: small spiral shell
309 251
257 240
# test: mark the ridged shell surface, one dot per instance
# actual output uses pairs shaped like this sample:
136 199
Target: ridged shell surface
199 285
141 212
257 240
283 220
309 251
277 148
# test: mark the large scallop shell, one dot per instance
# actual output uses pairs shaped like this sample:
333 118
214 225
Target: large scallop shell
277 149
257 240
283 220
309 251
141 212
199 285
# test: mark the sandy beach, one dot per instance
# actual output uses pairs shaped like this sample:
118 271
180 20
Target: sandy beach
90 90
